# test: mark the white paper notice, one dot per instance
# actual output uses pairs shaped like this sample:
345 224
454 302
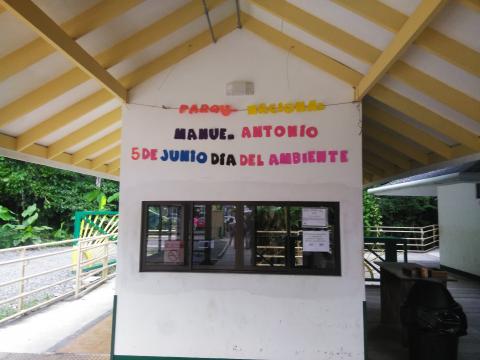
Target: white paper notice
316 241
314 217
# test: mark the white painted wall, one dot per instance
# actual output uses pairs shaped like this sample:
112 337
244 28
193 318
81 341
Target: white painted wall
240 316
459 222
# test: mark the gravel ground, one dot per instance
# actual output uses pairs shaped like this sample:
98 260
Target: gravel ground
13 271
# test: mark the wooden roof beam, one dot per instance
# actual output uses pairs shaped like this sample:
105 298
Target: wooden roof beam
130 80
425 116
397 143
87 21
360 49
431 40
388 154
31 14
413 27
107 58
87 151
92 128
114 166
107 157
419 136
471 4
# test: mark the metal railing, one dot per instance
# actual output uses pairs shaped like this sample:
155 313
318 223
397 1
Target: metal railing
93 261
419 238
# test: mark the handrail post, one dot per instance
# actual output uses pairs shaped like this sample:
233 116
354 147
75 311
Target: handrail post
21 288
105 260
78 271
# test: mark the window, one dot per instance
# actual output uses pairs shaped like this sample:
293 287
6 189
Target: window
262 237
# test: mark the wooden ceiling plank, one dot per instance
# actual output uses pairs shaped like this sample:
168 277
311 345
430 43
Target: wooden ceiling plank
439 44
374 168
41 95
396 143
301 50
62 118
90 149
107 58
419 136
411 29
84 132
113 166
384 164
471 4
425 116
178 53
154 32
87 21
106 157
320 29
53 34
99 98
356 47
388 154
8 142
436 89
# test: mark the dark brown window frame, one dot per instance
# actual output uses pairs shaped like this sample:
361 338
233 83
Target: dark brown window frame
188 230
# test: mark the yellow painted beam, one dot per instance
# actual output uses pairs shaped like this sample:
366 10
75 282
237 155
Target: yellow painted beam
389 154
320 29
356 47
106 157
96 146
87 21
113 166
62 118
381 162
134 78
112 56
374 168
116 172
55 36
303 51
401 127
425 116
438 90
40 151
396 142
41 95
471 4
154 32
411 29
439 44
92 128
179 53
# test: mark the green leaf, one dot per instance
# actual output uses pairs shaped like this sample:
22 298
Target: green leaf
6 214
29 211
102 201
30 220
92 195
114 197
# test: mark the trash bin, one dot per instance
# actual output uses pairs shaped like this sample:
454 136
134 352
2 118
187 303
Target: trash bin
433 321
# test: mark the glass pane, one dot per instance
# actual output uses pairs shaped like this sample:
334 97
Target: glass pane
248 235
165 235
312 233
214 231
270 235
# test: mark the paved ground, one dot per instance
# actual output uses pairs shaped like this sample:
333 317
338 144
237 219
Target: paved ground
42 331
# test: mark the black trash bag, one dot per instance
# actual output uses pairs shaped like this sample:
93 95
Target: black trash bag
431 308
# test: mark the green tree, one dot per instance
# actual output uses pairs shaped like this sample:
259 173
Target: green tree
57 193
372 215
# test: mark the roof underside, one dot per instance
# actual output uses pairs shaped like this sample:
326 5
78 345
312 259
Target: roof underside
67 65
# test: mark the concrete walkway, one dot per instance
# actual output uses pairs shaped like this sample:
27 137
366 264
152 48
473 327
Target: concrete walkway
45 330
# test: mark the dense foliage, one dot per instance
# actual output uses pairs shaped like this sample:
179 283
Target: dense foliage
57 195
399 210
408 210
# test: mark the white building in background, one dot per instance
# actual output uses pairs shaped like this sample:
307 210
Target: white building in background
457 189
